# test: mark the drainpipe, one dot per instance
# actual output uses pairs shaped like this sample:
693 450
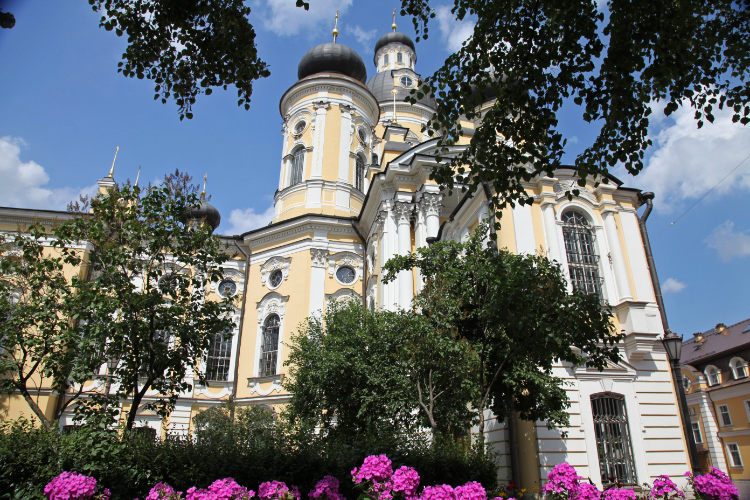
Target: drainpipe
364 264
242 319
648 198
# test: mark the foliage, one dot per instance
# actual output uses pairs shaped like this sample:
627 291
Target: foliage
247 426
356 371
149 268
42 330
130 465
610 65
517 315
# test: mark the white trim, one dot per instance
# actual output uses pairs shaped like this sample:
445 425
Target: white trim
732 463
722 413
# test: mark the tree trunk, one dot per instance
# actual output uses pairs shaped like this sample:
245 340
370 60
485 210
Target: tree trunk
34 407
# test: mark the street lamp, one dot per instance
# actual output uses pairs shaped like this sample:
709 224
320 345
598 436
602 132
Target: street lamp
673 345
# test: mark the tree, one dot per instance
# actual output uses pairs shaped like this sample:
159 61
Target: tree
150 267
365 372
536 56
43 332
516 313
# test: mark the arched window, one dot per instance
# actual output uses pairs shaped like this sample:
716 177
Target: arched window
739 368
298 166
359 172
385 59
375 159
613 438
219 355
583 262
269 350
713 375
399 57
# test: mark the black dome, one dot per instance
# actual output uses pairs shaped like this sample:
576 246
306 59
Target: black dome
395 37
332 58
382 84
207 212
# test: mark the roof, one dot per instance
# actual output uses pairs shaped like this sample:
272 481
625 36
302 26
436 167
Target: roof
333 58
394 37
716 344
383 83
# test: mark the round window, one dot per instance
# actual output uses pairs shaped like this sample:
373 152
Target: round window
362 133
346 275
299 127
227 288
275 279
406 81
168 283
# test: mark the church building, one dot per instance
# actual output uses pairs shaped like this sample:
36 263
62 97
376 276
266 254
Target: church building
355 190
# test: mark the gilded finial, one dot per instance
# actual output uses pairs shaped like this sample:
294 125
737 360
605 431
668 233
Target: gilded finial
205 179
335 31
137 176
112 170
393 26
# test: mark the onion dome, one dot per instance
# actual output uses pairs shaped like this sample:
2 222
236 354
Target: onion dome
395 37
205 211
332 58
383 83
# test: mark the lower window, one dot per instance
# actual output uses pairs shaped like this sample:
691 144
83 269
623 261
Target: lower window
613 444
734 454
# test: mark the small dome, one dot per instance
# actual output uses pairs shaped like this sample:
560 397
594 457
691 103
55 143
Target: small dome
382 84
332 58
207 212
394 37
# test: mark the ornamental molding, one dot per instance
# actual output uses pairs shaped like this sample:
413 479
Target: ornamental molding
273 303
341 259
431 203
255 384
283 264
563 187
304 228
230 274
346 109
226 389
342 295
319 257
403 212
321 106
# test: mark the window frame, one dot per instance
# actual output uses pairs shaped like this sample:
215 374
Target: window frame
582 257
724 415
269 367
735 364
746 404
712 370
612 428
697 434
297 166
732 462
226 338
359 173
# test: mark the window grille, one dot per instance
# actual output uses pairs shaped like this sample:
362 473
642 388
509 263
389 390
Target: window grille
298 165
270 347
359 172
219 356
613 439
583 262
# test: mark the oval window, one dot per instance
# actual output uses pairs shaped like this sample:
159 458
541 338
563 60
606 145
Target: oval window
346 275
299 127
275 279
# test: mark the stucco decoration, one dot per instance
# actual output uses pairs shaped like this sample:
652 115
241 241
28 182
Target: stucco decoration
372 290
254 384
562 187
230 274
431 203
319 257
342 295
272 303
275 263
341 259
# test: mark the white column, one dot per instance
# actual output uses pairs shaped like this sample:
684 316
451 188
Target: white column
618 261
317 281
388 249
282 176
321 108
345 142
550 230
405 278
711 431
523 226
431 206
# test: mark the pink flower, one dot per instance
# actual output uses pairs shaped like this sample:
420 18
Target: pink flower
618 494
562 479
221 489
406 481
162 491
715 485
587 491
440 492
663 487
375 467
276 490
70 486
470 491
326 489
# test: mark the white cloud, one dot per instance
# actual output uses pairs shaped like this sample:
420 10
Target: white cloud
453 32
672 286
365 38
247 219
23 182
284 18
728 242
689 161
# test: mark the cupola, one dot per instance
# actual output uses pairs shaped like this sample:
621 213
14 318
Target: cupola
332 58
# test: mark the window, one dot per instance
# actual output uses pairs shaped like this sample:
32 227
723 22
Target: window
747 408
583 263
362 134
300 126
275 279
739 368
219 356
298 165
359 172
375 160
734 454
227 288
726 419
686 384
406 81
346 275
613 439
697 432
146 433
385 59
270 348
713 375
399 57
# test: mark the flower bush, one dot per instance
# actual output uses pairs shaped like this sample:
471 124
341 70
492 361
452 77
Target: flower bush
276 490
562 482
715 485
618 494
326 489
73 486
221 489
163 491
665 489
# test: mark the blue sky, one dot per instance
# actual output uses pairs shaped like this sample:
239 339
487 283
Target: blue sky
64 109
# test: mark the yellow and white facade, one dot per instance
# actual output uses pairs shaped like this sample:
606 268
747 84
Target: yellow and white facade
355 190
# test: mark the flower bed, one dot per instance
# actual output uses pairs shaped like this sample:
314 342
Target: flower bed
378 481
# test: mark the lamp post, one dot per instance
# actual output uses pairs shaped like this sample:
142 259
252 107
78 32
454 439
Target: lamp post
673 345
